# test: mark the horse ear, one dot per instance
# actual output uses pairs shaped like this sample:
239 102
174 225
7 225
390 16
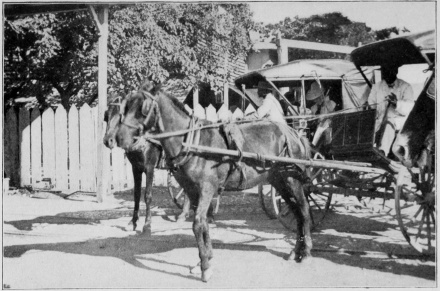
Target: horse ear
145 107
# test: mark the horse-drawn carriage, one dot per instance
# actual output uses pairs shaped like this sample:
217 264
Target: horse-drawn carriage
350 137
205 161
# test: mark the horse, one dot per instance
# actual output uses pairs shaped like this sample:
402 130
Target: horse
415 143
201 174
143 160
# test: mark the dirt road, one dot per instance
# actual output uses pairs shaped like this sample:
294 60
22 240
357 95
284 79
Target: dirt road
78 243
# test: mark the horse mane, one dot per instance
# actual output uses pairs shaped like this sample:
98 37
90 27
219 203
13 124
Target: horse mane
175 101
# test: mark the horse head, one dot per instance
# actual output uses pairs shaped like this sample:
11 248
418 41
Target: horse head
414 136
139 115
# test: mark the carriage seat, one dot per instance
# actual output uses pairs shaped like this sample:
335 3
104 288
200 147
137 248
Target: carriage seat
353 138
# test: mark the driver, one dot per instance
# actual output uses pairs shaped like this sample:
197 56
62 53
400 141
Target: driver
390 115
271 107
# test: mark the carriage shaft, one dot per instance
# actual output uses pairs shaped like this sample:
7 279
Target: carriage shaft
351 166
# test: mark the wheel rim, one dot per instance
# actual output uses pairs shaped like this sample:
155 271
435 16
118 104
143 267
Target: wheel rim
415 211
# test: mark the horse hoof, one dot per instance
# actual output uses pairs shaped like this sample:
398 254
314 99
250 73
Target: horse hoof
196 269
207 274
131 226
291 256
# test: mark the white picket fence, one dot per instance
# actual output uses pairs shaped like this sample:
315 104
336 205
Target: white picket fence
62 146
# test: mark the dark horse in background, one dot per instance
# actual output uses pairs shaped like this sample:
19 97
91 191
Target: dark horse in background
201 175
143 160
415 144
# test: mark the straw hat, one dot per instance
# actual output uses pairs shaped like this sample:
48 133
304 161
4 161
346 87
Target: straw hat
314 92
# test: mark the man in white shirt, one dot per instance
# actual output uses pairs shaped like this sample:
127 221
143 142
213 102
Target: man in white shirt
271 107
323 104
393 98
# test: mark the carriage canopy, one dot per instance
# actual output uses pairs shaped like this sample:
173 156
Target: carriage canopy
416 48
353 89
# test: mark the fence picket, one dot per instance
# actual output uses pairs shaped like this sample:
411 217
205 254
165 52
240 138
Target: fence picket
118 169
211 113
24 125
199 112
238 114
48 143
86 146
74 166
35 146
250 109
224 114
61 149
11 150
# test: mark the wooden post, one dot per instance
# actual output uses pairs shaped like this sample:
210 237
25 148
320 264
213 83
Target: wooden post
282 50
100 16
195 97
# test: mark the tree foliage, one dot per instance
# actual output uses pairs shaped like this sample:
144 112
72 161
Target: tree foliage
331 28
51 55
55 55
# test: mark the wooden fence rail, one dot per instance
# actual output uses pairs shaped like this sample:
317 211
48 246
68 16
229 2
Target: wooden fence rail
61 145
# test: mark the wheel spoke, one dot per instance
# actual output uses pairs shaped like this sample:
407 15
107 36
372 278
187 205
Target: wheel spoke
316 174
422 222
428 225
314 202
417 213
180 193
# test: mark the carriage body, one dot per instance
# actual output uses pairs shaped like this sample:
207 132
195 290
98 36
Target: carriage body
353 137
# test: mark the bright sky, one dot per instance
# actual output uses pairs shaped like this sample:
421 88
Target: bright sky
416 16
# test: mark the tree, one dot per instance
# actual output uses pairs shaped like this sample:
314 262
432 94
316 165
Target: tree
55 55
52 55
332 28
184 41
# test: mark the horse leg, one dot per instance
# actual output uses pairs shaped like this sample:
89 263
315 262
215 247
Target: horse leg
300 208
185 209
201 230
149 173
137 176
303 245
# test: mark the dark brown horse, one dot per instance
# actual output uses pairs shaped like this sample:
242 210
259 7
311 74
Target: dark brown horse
416 140
143 160
201 175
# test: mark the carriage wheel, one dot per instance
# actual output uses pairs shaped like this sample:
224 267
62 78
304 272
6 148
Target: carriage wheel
178 195
415 210
319 202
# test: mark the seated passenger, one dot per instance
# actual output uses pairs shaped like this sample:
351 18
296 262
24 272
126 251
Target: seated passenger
271 107
322 104
393 98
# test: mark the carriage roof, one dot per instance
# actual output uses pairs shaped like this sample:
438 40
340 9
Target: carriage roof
409 49
302 69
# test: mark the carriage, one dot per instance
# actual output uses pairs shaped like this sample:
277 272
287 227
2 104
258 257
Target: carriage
351 139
